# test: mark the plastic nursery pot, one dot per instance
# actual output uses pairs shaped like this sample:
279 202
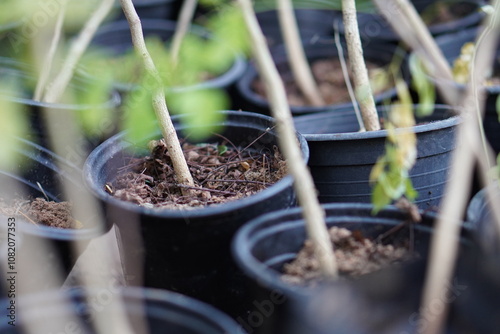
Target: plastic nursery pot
115 37
189 250
147 311
481 218
22 98
374 28
342 158
312 23
152 9
48 254
262 246
451 46
314 50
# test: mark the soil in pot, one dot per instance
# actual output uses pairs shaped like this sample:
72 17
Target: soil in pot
40 211
330 81
356 255
222 172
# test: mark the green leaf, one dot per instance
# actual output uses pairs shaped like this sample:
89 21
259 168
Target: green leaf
139 116
221 149
379 198
423 86
410 192
200 109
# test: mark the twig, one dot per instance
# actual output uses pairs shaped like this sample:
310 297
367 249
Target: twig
183 24
347 79
78 47
174 148
296 56
306 192
49 58
361 80
406 22
444 244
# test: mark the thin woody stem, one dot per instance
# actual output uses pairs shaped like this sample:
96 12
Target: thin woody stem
296 56
183 24
360 78
56 89
313 213
47 65
174 148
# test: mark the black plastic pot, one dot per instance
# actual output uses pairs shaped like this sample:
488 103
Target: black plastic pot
188 250
265 244
115 38
451 46
342 158
153 9
481 218
248 99
14 71
41 169
374 28
147 311
312 23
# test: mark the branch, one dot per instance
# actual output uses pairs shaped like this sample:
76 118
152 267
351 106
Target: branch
306 192
174 148
358 67
444 245
296 56
57 87
46 69
185 18
406 22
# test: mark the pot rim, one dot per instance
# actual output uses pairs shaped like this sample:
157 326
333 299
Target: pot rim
91 179
421 128
241 245
157 298
52 161
22 70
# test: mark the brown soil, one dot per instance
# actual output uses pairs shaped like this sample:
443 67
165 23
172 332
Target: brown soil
356 255
330 81
221 173
41 212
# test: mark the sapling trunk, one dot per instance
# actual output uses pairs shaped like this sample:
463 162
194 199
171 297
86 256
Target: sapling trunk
357 64
444 244
304 186
406 22
296 57
58 86
183 24
174 148
49 58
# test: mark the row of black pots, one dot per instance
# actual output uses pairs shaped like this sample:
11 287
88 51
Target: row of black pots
152 9
43 174
145 311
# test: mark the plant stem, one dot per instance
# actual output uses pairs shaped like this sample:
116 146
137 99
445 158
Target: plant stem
406 22
444 244
313 213
57 87
183 24
49 58
358 67
296 56
174 148
347 79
